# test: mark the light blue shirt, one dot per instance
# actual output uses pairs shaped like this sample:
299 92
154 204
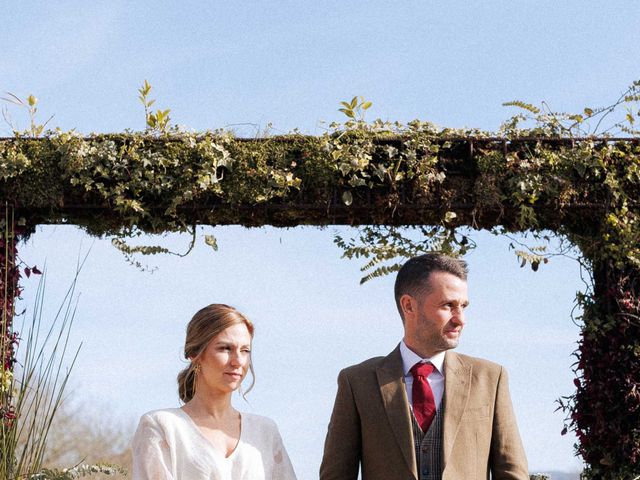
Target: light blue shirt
436 379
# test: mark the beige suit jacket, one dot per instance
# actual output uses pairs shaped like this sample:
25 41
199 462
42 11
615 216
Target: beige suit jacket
371 423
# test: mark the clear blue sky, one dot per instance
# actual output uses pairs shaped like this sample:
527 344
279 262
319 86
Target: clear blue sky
247 64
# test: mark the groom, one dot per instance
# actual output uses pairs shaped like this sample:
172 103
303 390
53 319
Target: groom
425 412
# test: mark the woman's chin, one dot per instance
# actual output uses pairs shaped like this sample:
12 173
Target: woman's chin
234 386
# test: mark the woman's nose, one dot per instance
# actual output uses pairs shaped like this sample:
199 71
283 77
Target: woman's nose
239 358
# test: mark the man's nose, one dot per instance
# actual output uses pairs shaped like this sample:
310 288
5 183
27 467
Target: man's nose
458 315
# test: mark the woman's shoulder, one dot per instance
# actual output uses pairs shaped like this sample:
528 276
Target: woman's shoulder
162 415
259 423
256 419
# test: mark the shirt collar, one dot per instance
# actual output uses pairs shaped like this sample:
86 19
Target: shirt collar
410 358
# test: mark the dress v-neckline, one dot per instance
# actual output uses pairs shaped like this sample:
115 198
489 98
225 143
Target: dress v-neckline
211 445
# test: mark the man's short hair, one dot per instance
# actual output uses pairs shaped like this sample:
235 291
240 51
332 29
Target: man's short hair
413 277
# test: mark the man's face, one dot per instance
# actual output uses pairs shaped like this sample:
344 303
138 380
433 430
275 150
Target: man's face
433 322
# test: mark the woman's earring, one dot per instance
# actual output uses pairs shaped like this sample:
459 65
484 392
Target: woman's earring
197 368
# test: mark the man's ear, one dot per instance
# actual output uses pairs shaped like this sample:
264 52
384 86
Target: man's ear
408 305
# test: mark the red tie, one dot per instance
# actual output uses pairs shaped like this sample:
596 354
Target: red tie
424 406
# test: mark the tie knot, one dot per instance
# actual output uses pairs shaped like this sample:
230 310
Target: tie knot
422 369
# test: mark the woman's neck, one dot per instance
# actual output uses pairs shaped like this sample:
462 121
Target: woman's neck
214 406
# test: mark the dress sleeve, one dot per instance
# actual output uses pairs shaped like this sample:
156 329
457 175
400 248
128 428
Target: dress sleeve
151 456
282 467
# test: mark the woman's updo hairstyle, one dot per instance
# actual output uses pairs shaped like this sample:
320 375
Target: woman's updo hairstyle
203 327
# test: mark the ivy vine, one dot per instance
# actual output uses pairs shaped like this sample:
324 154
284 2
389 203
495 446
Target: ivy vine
543 171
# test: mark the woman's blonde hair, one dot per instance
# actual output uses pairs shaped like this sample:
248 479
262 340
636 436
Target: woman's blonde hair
206 324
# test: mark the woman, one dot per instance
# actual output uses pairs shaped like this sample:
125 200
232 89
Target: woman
207 438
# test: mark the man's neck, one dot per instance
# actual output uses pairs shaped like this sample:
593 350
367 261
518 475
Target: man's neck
422 352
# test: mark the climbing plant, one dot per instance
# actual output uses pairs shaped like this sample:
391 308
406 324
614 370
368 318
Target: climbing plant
542 172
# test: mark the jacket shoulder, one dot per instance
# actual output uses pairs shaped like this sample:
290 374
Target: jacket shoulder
368 365
483 372
477 361
478 364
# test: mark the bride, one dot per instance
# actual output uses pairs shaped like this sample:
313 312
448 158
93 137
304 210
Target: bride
207 438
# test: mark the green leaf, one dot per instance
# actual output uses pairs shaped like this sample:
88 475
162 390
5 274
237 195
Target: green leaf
31 100
211 241
525 106
344 168
588 112
354 102
449 216
366 105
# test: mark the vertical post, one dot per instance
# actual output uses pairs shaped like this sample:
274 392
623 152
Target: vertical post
9 291
606 410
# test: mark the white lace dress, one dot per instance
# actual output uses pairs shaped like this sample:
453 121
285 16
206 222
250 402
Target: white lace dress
169 446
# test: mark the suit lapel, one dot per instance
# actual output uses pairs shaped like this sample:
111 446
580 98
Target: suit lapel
394 397
456 396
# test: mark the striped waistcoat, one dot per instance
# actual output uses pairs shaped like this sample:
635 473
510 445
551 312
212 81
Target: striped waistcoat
428 447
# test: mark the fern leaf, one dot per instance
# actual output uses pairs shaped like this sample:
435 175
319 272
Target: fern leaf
525 106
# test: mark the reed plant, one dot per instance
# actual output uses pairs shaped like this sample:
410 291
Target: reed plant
38 360
37 386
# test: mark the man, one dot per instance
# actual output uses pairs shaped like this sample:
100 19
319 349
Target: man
424 412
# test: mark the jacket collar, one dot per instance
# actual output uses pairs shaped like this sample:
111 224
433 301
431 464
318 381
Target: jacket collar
394 397
457 387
